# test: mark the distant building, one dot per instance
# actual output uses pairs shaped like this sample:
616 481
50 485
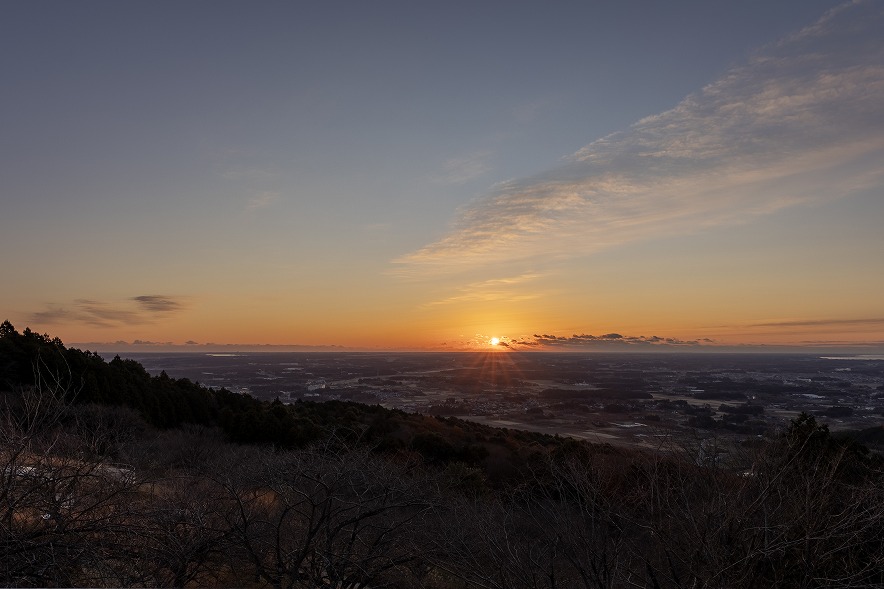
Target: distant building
315 385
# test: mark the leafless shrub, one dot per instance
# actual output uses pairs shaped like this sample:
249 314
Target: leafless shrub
327 516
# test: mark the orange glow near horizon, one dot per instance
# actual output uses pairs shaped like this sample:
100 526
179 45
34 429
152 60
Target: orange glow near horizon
463 327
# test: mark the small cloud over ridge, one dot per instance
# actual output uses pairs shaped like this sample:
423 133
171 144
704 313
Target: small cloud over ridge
147 309
157 303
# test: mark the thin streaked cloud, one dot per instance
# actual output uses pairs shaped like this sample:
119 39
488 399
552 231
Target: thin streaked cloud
821 323
528 112
460 170
158 303
800 123
262 199
509 289
142 309
250 174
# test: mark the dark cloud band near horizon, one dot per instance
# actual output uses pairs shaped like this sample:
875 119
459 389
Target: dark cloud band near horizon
609 341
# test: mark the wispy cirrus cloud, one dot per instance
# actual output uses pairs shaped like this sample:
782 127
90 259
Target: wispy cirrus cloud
249 174
801 122
511 289
138 310
460 170
262 199
822 322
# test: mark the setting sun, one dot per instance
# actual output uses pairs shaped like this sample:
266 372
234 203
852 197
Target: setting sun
495 341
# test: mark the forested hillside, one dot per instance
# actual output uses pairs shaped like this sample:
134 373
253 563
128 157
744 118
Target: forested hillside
112 477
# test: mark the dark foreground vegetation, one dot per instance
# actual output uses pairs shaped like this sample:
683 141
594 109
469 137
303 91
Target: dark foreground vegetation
111 477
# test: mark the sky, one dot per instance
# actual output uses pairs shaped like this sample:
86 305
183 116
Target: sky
430 175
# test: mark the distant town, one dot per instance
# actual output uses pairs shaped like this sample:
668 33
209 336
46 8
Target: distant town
622 399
